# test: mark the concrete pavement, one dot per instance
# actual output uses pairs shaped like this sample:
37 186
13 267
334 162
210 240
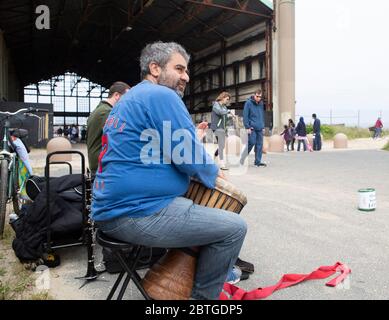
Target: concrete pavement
302 214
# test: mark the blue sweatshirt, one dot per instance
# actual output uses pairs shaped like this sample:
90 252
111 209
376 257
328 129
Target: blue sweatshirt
146 160
253 115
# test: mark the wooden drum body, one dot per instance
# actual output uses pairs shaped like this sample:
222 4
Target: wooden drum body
171 278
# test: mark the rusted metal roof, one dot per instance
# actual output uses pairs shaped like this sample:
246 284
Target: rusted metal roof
101 40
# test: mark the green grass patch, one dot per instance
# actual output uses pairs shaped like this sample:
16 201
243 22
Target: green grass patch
41 296
8 235
17 285
4 290
352 133
3 272
386 148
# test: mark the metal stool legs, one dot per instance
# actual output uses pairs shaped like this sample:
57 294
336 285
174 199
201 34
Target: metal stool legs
129 268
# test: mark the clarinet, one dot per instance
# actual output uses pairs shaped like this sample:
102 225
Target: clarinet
89 230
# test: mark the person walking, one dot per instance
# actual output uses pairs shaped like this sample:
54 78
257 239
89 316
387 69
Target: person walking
317 133
83 134
219 118
287 136
66 131
292 130
74 134
59 132
254 122
301 132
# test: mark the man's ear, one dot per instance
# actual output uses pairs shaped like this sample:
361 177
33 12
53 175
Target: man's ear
117 96
155 69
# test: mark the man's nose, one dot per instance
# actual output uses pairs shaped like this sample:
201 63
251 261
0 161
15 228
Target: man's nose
185 77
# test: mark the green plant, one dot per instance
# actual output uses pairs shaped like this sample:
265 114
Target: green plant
328 132
352 133
8 235
386 148
4 291
41 296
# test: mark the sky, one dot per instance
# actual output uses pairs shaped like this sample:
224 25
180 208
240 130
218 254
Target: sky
342 60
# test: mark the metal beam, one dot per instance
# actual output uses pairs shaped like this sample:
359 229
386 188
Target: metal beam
178 24
217 20
233 46
209 3
86 12
197 19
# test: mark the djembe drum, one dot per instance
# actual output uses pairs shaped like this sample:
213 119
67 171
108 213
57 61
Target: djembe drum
171 278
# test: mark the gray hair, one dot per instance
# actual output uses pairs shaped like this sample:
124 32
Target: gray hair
160 53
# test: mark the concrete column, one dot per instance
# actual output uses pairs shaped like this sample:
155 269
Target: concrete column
284 63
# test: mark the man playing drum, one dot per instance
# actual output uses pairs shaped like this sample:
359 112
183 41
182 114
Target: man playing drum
150 152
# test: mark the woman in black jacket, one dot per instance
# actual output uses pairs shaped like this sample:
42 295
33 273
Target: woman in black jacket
292 133
301 132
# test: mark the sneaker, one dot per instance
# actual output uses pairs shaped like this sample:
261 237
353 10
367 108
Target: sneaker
245 275
223 165
234 275
261 165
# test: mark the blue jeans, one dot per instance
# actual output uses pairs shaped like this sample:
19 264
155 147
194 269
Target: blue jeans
378 132
317 142
255 140
304 144
219 233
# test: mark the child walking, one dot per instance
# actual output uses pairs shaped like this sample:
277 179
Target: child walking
287 137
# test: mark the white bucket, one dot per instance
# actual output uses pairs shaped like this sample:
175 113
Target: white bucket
367 200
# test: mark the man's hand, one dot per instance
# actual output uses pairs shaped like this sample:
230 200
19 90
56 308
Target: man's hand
221 175
202 130
249 131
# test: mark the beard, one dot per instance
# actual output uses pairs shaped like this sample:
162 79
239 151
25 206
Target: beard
171 82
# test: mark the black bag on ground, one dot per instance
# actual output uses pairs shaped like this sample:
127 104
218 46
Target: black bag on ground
65 213
148 257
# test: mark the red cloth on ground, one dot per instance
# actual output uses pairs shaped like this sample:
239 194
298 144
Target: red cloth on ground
288 280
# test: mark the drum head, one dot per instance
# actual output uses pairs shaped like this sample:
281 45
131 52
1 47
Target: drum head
229 189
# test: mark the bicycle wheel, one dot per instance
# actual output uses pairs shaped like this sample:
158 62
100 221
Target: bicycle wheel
16 201
3 193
